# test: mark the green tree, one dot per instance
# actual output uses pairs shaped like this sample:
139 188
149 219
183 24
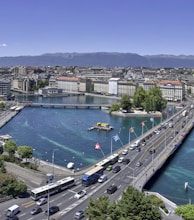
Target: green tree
186 211
133 205
10 147
139 97
125 103
25 152
114 107
98 209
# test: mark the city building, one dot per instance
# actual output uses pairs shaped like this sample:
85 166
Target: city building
172 90
5 88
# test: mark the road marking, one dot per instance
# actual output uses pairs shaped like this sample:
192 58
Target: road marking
28 204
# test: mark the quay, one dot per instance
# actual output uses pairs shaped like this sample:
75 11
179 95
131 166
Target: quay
68 106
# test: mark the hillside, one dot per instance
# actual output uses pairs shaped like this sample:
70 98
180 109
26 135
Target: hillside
102 59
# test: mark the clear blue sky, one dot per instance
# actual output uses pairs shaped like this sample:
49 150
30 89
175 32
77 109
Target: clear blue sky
145 27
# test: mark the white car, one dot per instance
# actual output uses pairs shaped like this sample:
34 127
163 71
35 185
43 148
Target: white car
80 194
41 201
120 160
125 152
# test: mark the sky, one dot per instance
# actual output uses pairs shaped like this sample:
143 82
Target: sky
144 27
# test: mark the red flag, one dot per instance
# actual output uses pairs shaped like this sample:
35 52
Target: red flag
142 124
97 146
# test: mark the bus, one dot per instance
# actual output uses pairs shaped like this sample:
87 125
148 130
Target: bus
52 188
92 176
112 159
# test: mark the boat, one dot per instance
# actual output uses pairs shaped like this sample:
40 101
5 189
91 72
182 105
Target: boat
70 165
101 126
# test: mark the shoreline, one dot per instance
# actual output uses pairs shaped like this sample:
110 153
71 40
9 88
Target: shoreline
137 114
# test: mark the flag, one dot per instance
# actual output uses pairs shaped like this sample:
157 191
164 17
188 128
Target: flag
142 124
152 120
131 130
116 137
97 146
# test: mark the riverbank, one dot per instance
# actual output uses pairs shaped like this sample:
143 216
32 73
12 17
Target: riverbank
137 114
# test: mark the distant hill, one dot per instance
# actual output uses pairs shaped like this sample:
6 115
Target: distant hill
102 59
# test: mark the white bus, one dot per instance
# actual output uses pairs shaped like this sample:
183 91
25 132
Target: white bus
112 159
52 188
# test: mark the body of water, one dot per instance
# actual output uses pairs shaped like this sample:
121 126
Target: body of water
46 129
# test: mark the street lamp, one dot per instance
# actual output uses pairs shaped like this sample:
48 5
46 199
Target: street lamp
53 160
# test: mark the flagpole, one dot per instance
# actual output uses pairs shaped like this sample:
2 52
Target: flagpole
129 136
111 146
102 152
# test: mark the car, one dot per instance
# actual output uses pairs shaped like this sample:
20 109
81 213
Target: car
126 161
36 210
120 160
52 210
102 179
138 149
109 168
13 217
79 214
116 169
138 164
80 194
41 201
152 151
125 152
111 189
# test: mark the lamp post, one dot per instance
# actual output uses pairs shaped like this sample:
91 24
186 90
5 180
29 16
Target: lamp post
53 160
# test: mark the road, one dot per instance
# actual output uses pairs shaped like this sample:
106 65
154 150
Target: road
162 142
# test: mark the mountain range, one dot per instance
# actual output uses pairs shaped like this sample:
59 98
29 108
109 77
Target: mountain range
101 59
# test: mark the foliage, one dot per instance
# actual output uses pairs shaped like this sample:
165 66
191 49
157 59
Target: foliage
10 186
2 166
133 205
114 107
139 97
151 100
125 103
25 152
10 147
2 105
186 211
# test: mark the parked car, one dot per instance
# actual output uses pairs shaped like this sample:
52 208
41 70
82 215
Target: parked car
79 214
52 210
111 189
152 151
36 210
109 168
41 201
116 169
80 194
126 161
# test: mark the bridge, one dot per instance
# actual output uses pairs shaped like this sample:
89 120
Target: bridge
70 106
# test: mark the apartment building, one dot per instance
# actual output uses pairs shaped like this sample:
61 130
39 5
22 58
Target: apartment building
5 88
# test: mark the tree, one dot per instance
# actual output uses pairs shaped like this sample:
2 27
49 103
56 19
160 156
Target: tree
186 211
133 205
114 107
98 209
139 97
25 152
10 147
10 186
125 103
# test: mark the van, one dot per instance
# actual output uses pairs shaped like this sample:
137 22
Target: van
102 179
13 210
